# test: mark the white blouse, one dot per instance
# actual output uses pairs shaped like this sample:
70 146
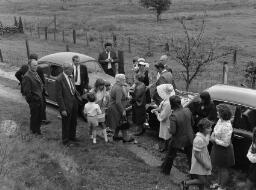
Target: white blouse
222 133
251 156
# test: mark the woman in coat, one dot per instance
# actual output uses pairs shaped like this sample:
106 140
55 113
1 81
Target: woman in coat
116 110
138 104
163 112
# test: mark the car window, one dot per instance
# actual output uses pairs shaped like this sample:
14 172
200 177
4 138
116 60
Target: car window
45 69
245 118
55 70
93 66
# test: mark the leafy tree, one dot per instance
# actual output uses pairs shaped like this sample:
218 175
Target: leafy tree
158 6
194 53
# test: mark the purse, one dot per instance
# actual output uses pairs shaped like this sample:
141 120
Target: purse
123 123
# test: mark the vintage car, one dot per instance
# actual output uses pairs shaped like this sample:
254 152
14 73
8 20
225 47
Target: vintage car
51 66
242 102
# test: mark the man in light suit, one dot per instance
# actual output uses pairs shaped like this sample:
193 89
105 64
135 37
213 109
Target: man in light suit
80 75
68 106
108 60
181 131
32 89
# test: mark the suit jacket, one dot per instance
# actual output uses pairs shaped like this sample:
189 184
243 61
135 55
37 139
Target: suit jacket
103 56
22 71
64 97
84 77
181 122
32 87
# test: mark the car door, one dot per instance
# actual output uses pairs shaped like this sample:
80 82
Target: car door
242 135
54 71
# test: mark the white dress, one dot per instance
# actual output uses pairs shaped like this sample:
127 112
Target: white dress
163 118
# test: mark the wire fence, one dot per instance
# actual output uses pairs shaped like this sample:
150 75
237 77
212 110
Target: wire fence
81 39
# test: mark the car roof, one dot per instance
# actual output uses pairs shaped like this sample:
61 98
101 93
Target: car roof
233 94
64 57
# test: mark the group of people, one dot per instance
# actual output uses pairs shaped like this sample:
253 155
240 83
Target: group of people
188 129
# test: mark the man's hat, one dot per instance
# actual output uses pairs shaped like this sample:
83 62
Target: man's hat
159 65
33 56
107 44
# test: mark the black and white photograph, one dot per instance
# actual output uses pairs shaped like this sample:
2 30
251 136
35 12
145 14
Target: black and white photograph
127 95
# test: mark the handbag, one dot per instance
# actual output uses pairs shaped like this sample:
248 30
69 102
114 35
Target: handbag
123 123
101 118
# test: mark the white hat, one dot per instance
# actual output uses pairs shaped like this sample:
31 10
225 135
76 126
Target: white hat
163 58
165 91
141 60
142 63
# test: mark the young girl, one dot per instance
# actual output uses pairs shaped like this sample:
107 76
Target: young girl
200 162
91 111
251 155
102 99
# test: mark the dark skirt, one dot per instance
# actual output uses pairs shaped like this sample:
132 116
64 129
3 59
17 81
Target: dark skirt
138 114
222 156
252 173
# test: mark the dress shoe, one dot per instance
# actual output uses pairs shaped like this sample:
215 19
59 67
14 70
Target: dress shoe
45 122
129 140
117 138
141 132
75 140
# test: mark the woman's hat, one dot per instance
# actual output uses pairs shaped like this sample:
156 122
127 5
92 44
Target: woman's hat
165 91
141 60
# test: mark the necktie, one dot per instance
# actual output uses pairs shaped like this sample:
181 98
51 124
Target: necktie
39 79
72 89
76 73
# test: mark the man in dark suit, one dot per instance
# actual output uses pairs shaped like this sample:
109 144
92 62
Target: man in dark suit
33 90
80 75
68 106
181 122
108 60
20 74
165 77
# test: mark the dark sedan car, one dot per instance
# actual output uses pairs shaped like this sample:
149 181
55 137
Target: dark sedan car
51 66
242 102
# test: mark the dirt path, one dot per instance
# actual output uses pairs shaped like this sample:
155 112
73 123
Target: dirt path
14 95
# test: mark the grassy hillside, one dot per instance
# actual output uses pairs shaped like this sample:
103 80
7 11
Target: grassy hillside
228 23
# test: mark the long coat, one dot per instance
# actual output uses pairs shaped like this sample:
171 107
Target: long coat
139 103
118 102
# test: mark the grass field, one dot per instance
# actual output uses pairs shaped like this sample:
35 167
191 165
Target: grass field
228 23
29 162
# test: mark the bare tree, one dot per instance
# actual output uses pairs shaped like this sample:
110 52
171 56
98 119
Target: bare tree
193 52
158 6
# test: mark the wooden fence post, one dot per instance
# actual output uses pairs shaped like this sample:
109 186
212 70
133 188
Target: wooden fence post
114 40
55 27
225 73
120 61
101 40
28 49
129 45
1 56
45 33
74 36
63 36
87 40
38 31
30 30
67 48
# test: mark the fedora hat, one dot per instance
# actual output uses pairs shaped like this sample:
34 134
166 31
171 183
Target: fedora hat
165 91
